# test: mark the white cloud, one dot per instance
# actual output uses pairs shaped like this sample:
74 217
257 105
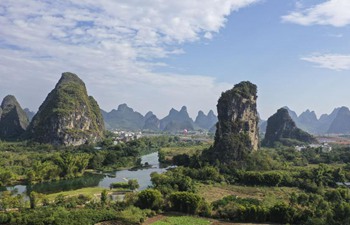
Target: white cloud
331 12
113 45
335 62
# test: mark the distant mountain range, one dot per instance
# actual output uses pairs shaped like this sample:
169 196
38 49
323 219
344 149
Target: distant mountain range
126 118
337 122
282 129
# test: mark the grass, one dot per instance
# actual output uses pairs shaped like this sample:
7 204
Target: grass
269 195
182 220
170 152
91 192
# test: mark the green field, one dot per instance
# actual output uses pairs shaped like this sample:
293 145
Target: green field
170 152
269 195
182 220
91 192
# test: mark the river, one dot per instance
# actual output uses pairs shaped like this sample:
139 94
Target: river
97 180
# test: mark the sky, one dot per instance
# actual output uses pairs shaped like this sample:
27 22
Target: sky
156 55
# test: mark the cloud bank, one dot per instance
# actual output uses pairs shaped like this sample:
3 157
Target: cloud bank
331 12
114 45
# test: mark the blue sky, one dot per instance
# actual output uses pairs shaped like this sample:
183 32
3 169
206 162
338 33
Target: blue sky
158 54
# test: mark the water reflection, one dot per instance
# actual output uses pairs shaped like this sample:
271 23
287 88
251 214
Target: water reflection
96 180
89 180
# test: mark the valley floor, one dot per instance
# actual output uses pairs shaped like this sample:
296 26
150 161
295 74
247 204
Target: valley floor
162 217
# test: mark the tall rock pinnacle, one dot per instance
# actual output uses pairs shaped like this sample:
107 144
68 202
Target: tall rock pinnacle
281 128
68 116
237 128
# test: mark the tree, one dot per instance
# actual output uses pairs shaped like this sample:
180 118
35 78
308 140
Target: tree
282 213
5 177
6 200
33 199
185 202
104 197
133 184
59 200
150 199
83 161
68 163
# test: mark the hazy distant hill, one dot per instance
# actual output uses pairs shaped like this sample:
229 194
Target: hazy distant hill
262 126
281 128
13 120
29 113
308 121
337 122
151 122
341 123
206 121
123 118
326 120
177 120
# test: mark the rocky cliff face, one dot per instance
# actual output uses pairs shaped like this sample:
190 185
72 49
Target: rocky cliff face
292 114
281 128
13 120
68 116
206 121
237 128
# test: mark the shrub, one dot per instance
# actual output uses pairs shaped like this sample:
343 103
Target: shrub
185 202
150 199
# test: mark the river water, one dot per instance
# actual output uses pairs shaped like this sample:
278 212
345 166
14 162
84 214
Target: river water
97 180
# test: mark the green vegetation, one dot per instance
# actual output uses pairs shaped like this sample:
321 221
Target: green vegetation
268 195
176 154
279 185
68 98
90 192
183 220
184 202
271 185
150 199
131 184
29 162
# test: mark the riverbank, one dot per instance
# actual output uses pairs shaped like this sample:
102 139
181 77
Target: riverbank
96 179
